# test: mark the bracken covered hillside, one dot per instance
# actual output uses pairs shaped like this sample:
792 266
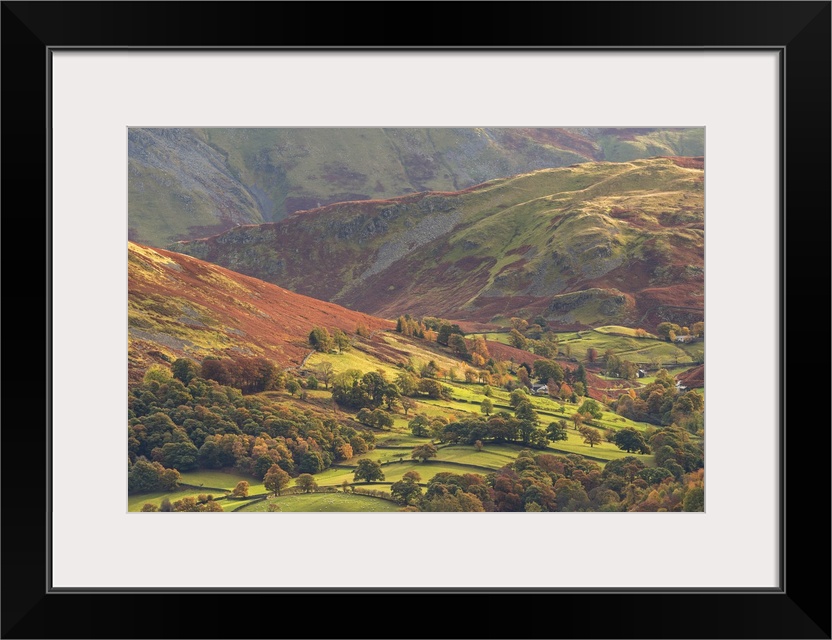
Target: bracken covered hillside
181 306
593 243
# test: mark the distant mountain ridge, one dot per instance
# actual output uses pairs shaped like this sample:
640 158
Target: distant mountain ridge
191 183
594 243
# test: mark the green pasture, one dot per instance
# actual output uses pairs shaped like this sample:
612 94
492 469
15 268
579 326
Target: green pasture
616 330
324 503
629 347
136 501
222 479
501 337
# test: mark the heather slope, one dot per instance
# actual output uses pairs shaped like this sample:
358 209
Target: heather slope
181 306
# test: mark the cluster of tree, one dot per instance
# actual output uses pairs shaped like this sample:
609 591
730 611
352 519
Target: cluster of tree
249 374
449 335
144 476
428 328
368 471
322 341
500 427
207 425
566 383
537 337
188 503
670 330
445 492
351 388
674 450
661 403
545 482
376 418
371 390
408 326
615 367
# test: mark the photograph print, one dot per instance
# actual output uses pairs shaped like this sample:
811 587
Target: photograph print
416 320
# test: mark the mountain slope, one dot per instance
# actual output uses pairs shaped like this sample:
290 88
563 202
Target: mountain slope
178 305
591 243
190 183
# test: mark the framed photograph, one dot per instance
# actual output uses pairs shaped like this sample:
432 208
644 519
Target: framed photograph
574 206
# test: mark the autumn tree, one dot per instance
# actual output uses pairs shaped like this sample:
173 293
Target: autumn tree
480 348
517 339
320 339
407 383
668 330
325 372
276 479
545 370
694 499
306 482
525 412
368 470
591 436
432 388
241 490
630 440
519 324
423 452
517 396
557 431
590 408
407 490
407 404
523 377
457 344
185 370
486 406
341 340
419 426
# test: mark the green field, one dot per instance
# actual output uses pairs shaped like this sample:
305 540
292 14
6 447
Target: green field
616 330
629 347
325 503
136 501
494 456
394 472
222 479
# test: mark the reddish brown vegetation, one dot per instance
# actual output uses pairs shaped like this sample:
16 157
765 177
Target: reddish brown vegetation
688 162
562 139
504 352
256 316
693 378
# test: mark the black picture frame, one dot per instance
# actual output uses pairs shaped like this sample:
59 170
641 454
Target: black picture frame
799 31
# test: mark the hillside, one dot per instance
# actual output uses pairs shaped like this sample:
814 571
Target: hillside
178 305
594 243
190 183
